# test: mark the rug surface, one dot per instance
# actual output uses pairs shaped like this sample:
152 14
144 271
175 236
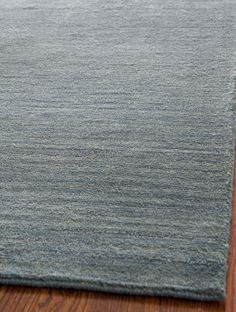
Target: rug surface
116 144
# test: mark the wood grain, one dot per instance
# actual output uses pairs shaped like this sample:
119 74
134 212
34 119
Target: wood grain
26 299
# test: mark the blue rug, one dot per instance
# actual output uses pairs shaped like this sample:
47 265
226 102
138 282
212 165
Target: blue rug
116 145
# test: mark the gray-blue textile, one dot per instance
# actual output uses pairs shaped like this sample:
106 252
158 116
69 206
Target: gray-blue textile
116 144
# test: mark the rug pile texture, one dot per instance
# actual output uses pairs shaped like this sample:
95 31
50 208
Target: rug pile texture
116 144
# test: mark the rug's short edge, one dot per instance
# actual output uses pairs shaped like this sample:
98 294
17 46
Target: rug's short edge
208 294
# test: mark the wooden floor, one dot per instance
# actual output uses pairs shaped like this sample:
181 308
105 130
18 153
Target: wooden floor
26 299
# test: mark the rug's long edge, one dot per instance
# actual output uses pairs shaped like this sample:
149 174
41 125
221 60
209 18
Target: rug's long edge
208 294
231 104
232 185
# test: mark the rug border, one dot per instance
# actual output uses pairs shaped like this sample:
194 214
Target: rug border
201 294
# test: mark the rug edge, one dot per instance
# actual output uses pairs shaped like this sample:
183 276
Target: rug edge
207 294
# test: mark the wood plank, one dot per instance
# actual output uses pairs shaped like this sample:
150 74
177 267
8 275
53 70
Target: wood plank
28 299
